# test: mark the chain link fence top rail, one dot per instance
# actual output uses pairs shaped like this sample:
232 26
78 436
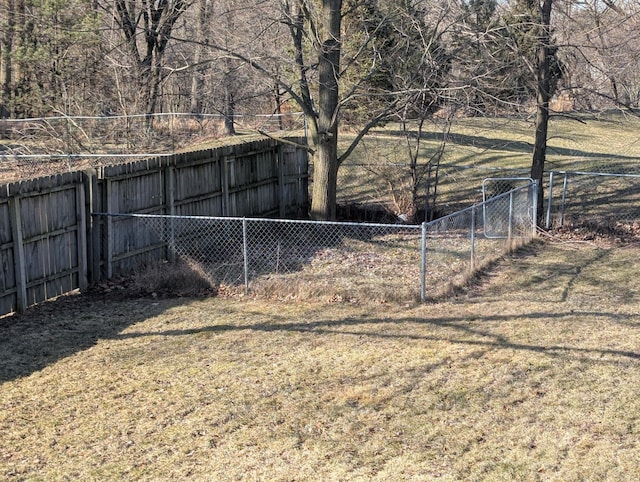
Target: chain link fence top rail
344 261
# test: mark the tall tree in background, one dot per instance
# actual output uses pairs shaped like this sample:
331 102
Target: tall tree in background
203 16
516 52
147 28
495 50
218 84
601 48
47 54
8 31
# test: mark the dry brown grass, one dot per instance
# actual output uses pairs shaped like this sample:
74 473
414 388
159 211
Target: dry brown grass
532 374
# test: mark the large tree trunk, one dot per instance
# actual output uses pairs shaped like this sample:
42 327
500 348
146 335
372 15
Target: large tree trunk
542 113
325 174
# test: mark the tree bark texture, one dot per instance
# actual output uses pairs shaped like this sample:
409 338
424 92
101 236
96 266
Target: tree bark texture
323 204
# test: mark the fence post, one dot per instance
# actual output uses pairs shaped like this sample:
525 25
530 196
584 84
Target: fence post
224 181
473 237
81 237
90 180
280 163
423 263
548 221
245 254
564 197
510 228
169 189
18 253
108 223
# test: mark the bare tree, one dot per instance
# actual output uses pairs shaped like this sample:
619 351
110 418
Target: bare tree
8 19
147 28
203 15
515 49
328 78
601 48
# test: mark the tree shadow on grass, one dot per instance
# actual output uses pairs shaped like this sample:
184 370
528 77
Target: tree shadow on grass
57 329
69 325
461 331
509 145
474 330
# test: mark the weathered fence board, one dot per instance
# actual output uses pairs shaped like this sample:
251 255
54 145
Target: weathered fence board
42 240
8 282
51 241
197 188
294 181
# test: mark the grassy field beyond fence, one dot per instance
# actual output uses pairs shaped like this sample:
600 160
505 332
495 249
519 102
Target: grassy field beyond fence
494 146
532 374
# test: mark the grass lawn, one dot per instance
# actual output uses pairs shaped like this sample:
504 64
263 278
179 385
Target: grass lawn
493 147
580 142
531 374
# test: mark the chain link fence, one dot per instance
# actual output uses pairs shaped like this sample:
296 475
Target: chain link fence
597 199
343 261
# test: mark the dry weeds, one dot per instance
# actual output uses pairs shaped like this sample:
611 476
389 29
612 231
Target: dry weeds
532 374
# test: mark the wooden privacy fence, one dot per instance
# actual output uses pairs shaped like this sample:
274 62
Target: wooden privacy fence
43 248
53 242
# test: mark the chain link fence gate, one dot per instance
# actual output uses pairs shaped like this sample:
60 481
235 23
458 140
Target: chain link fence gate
340 261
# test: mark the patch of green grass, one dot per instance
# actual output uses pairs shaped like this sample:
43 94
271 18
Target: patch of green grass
532 374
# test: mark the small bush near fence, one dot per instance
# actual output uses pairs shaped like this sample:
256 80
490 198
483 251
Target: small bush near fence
341 261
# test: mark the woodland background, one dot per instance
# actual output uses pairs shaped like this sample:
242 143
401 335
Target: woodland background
101 57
